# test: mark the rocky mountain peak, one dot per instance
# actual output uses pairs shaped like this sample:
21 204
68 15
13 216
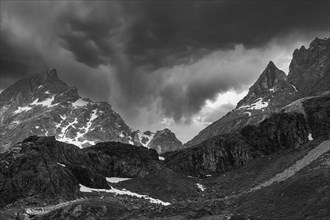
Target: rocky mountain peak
271 80
164 141
309 69
43 104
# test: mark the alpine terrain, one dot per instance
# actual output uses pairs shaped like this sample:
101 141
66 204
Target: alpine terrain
45 105
308 75
66 157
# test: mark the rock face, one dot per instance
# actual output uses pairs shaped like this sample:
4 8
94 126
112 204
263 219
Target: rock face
279 131
309 75
226 152
45 105
218 154
310 68
316 110
270 92
43 168
165 141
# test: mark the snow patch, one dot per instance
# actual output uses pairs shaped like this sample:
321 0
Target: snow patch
142 135
272 90
123 192
116 179
259 104
22 109
45 103
61 164
80 103
39 86
62 136
310 137
161 158
200 186
47 92
295 89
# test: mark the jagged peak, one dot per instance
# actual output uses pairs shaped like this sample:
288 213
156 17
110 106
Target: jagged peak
269 77
318 41
271 65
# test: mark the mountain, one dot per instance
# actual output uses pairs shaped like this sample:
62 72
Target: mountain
291 127
45 105
165 141
309 69
271 91
277 168
309 75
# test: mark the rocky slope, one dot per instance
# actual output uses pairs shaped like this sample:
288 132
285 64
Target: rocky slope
43 168
309 75
226 152
271 91
45 105
295 124
309 69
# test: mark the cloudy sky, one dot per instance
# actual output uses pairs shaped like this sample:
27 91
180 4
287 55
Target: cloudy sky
176 64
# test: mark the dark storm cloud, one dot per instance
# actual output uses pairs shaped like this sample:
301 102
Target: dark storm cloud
17 59
178 101
177 28
142 41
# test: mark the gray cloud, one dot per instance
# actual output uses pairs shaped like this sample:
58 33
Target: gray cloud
137 48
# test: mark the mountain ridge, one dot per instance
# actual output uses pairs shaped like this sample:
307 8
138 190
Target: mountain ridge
45 105
308 75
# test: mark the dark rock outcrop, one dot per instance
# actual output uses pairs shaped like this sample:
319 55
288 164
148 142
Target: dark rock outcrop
218 154
226 152
310 68
318 115
43 168
279 131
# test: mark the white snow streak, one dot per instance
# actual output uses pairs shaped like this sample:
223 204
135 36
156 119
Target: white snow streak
259 104
116 179
200 186
22 109
61 164
123 192
46 103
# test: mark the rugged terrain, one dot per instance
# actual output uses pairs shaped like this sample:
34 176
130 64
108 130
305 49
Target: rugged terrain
273 164
309 75
45 105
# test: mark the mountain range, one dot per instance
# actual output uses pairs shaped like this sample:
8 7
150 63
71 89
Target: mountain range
308 75
67 157
45 105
